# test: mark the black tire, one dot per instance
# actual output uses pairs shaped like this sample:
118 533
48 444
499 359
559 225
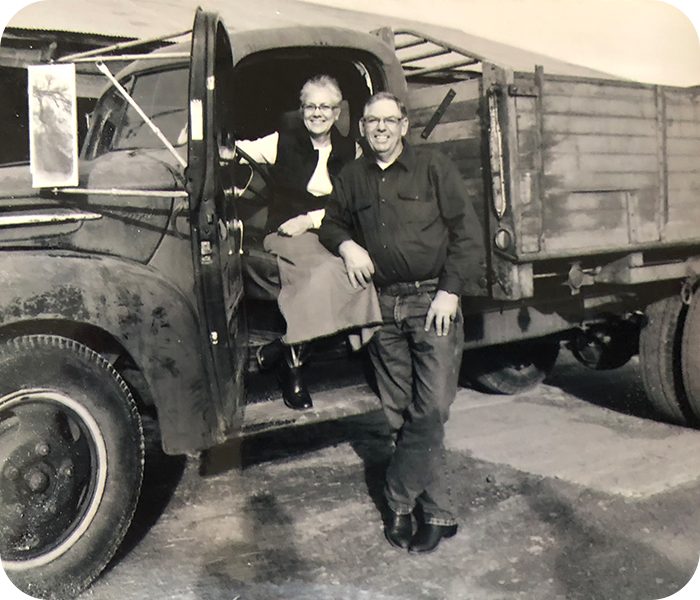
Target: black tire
606 347
690 356
511 368
659 356
72 453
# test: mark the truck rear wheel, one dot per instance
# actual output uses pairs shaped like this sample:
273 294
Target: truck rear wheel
71 464
690 355
512 368
660 358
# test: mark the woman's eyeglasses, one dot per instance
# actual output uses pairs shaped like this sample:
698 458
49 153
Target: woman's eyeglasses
325 109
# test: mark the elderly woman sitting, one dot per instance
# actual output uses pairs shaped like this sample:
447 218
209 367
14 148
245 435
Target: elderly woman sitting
310 284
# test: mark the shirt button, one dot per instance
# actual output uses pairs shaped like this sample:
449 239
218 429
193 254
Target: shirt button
383 199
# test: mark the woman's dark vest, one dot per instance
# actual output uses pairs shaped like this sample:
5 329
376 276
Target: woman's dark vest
295 164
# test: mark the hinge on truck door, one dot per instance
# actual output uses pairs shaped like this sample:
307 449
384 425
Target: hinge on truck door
527 89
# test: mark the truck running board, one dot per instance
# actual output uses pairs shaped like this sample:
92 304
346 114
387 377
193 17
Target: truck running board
328 405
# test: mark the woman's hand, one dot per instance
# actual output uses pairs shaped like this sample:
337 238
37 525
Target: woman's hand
296 226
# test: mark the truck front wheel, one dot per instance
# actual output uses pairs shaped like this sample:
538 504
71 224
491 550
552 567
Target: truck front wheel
71 464
511 368
660 358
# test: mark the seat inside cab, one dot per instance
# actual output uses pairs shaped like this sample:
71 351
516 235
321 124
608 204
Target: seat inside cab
266 88
264 98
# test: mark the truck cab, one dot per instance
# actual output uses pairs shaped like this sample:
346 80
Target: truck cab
123 295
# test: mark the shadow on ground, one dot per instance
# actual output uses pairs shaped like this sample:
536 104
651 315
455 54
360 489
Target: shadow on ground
620 389
162 474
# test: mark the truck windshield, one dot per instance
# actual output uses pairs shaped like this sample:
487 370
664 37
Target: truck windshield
161 95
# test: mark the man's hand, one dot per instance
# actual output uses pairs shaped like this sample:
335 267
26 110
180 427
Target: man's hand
358 264
296 226
443 310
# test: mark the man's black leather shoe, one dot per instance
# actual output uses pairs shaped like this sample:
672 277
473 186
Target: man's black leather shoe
428 537
269 354
294 391
398 530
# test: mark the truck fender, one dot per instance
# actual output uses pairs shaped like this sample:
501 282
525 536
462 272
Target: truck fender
150 317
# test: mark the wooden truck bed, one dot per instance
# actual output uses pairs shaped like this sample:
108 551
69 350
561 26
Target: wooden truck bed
564 167
603 166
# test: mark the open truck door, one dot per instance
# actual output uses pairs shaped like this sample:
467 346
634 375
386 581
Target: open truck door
216 230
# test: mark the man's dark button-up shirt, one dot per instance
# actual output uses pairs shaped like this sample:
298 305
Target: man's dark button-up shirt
414 218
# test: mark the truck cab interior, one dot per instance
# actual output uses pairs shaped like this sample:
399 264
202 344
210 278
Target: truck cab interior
264 98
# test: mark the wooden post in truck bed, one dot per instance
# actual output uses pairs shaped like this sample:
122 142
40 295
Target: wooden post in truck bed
510 279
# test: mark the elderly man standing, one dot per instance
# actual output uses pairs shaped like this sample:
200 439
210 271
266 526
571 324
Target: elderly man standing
402 219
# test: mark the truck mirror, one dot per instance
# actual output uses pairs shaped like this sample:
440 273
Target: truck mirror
53 125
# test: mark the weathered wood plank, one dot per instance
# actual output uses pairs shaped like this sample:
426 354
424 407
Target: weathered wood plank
586 202
526 119
683 106
682 230
601 144
588 239
606 107
432 96
684 113
684 147
446 132
563 164
599 125
596 90
684 181
463 149
683 129
683 164
685 199
579 181
456 111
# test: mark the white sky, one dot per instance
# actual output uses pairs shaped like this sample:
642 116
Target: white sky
645 40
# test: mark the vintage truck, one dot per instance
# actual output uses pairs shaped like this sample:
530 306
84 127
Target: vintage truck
123 296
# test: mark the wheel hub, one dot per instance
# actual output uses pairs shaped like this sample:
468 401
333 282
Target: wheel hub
48 475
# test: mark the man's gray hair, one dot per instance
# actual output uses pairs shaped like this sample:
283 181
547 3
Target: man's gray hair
321 81
386 96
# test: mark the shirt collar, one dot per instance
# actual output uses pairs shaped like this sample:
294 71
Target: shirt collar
407 158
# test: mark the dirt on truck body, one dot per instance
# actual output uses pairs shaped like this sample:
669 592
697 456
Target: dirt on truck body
123 297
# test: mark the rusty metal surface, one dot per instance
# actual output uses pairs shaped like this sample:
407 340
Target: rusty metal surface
135 305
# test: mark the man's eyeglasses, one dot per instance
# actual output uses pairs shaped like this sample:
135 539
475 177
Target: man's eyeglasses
374 121
325 109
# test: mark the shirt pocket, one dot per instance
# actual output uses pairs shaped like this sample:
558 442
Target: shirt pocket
416 207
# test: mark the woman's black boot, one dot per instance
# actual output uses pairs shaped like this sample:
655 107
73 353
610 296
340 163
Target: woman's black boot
269 354
294 391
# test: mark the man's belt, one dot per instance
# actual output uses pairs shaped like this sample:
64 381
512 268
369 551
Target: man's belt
406 288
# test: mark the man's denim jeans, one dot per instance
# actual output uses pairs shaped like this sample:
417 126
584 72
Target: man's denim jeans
417 374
